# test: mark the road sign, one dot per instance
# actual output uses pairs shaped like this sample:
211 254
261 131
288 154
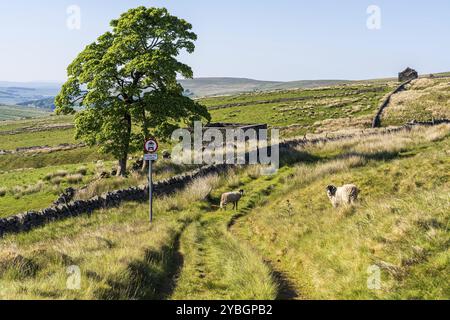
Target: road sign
151 146
151 157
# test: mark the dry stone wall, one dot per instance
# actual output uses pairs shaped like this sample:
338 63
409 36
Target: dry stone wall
376 123
32 219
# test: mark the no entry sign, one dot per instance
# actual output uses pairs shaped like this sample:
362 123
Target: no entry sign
151 146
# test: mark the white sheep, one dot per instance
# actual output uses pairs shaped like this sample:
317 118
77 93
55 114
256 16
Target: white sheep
344 195
231 197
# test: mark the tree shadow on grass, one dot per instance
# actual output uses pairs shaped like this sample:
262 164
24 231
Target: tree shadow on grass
152 278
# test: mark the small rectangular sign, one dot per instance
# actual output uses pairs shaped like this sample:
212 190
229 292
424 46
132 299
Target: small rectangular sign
151 157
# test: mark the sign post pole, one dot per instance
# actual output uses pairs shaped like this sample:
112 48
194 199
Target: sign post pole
150 146
150 189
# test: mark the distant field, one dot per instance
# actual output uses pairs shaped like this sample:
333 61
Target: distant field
16 113
303 111
49 119
202 87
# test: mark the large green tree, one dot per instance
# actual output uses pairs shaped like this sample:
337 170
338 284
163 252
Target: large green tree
125 83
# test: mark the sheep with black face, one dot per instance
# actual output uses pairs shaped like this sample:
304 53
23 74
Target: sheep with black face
345 195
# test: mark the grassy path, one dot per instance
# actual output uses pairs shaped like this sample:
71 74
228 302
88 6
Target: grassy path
284 242
322 253
217 265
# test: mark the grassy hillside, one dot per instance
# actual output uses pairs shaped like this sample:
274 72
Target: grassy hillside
303 111
273 248
202 87
423 100
285 241
15 113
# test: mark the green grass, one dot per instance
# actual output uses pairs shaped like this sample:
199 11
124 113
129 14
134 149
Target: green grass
41 160
35 189
32 139
139 260
190 252
35 123
16 113
286 241
402 219
424 100
310 115
308 94
30 189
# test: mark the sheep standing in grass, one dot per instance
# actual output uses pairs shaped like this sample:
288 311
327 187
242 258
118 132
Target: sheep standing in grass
231 197
344 195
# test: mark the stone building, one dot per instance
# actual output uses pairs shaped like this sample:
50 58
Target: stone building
407 74
222 127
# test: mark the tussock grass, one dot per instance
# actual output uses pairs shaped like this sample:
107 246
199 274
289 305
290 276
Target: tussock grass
285 224
57 174
400 223
120 255
82 170
136 257
74 178
425 99
199 190
307 112
19 191
57 180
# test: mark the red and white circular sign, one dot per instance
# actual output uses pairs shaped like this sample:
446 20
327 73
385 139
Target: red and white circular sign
151 146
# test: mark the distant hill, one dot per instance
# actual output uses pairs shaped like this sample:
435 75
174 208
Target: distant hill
16 112
46 103
41 95
200 87
13 93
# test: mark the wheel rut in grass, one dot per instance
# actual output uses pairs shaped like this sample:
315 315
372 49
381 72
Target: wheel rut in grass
217 264
285 287
174 269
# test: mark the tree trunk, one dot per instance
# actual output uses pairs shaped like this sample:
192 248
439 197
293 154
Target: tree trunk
122 171
145 164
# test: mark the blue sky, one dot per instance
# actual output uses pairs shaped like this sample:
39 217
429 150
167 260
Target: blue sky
260 39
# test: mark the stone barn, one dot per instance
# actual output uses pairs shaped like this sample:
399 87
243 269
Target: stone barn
407 74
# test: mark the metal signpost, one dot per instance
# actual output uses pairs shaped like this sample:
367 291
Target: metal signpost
150 146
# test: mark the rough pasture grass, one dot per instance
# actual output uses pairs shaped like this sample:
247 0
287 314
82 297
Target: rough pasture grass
10 162
35 123
43 138
305 115
138 260
322 253
14 113
282 94
22 194
424 100
399 224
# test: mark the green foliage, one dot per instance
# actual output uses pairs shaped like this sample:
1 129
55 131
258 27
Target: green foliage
126 82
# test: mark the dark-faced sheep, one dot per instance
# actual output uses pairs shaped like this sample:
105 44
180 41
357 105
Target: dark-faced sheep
231 197
344 195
